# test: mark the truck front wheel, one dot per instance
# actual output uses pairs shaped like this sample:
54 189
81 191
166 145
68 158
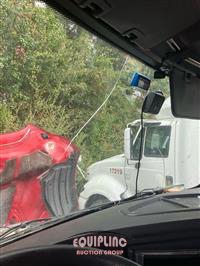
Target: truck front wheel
96 200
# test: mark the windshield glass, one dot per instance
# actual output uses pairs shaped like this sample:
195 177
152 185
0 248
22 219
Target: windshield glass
65 101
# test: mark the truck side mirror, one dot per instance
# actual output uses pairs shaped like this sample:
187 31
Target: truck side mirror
128 141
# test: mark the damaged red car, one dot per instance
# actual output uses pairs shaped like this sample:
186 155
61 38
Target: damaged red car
37 175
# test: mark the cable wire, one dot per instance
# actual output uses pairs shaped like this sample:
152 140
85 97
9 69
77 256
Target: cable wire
81 172
104 102
140 151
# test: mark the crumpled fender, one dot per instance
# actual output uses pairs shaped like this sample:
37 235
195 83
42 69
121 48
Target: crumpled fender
25 156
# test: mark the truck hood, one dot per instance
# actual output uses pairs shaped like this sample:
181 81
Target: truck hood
114 161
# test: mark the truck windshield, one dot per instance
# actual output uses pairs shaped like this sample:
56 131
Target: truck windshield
65 101
157 141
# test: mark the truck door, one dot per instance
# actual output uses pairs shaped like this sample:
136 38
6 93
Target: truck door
154 171
154 160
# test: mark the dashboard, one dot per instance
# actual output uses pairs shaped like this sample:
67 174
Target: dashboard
157 232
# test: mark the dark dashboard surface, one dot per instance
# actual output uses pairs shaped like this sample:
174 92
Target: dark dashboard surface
143 222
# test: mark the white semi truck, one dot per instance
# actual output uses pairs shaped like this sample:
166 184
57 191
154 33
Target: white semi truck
170 156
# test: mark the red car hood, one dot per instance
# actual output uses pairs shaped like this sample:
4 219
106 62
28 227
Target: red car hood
33 164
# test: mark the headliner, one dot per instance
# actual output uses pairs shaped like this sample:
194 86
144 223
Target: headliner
160 33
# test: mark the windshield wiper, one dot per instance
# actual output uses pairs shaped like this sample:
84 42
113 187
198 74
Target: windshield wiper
25 225
145 193
149 192
154 191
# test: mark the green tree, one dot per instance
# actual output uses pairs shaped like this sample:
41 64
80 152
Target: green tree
55 74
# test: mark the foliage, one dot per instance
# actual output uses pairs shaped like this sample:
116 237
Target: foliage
54 74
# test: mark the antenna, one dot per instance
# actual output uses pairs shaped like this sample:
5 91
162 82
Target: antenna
140 150
152 105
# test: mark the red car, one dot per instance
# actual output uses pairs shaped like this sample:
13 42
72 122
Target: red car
37 175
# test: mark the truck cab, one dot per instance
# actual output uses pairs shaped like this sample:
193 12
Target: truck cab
167 159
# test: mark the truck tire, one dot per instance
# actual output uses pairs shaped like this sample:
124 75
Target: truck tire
96 200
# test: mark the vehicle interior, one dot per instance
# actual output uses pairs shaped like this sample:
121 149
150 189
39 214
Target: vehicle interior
165 35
